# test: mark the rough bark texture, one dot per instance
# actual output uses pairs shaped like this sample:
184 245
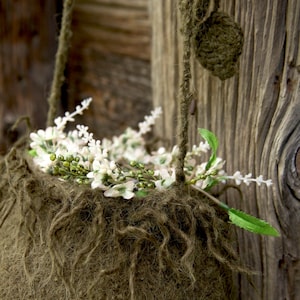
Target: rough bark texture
256 116
27 48
110 61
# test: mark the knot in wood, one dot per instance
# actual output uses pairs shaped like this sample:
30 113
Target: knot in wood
291 172
218 43
297 162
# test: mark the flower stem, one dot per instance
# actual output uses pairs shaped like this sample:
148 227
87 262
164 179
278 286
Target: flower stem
214 199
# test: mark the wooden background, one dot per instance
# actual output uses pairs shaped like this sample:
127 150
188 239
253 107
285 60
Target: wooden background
256 116
109 60
27 48
115 60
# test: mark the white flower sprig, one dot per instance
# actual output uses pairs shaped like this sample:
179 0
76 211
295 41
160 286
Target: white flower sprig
61 122
247 179
122 167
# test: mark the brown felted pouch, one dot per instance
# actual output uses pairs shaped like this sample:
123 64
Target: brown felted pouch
66 241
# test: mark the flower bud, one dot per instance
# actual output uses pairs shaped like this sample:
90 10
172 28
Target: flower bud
52 156
66 164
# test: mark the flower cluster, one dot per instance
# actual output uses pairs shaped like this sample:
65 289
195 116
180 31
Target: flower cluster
121 166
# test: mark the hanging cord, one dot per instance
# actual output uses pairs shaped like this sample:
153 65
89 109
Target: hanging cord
217 42
60 60
186 9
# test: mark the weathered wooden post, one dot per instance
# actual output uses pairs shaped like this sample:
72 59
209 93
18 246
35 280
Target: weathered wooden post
27 48
256 115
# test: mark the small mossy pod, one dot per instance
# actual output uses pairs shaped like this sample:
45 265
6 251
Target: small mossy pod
61 240
218 43
200 9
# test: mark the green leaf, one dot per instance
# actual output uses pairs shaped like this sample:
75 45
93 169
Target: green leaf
212 182
213 143
32 152
251 223
141 193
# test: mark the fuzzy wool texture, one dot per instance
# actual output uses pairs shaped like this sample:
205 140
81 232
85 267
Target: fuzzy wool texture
65 241
218 40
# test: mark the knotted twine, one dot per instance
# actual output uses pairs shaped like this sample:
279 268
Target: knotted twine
186 8
60 60
217 42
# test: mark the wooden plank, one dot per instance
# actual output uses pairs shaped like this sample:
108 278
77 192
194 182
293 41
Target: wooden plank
256 117
27 49
114 27
110 61
124 3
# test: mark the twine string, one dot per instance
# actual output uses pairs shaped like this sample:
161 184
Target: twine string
60 60
217 42
186 8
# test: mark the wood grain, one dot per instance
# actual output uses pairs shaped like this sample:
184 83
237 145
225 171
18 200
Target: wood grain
256 115
110 61
27 49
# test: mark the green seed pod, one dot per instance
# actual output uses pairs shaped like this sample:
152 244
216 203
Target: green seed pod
140 166
150 185
133 163
140 185
52 157
66 164
61 171
55 170
150 172
73 168
70 158
193 181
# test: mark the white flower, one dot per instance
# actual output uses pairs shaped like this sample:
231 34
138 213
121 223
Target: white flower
42 137
201 169
156 113
237 177
216 166
175 151
124 190
71 142
247 179
203 147
167 178
95 149
137 154
149 120
161 157
268 182
100 157
102 172
202 184
259 180
61 122
42 159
